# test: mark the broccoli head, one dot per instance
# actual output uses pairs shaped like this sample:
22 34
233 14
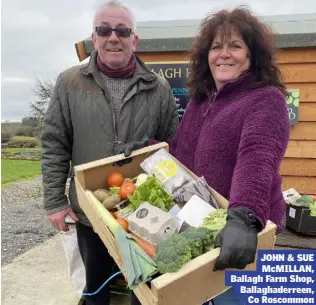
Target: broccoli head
199 239
172 254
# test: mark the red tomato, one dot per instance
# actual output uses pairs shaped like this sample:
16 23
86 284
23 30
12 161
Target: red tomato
115 179
127 188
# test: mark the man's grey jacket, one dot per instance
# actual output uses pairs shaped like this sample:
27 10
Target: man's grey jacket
79 125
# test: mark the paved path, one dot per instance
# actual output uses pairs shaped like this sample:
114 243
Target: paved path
38 277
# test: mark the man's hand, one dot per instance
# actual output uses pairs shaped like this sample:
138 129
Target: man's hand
58 219
128 148
238 240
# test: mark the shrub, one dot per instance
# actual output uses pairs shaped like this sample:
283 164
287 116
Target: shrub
5 137
22 144
26 131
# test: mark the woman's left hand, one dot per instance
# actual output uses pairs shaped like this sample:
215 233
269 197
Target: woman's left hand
238 240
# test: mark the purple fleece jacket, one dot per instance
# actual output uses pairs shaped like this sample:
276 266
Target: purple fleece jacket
237 142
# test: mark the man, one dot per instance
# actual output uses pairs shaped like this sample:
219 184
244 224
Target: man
111 105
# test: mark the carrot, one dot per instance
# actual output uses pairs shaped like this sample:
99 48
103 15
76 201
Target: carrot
148 248
123 222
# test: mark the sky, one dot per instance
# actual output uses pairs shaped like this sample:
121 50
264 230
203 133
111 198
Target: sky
38 36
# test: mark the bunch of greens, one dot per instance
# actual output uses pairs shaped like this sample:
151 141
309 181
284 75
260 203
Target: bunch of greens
307 201
215 221
152 192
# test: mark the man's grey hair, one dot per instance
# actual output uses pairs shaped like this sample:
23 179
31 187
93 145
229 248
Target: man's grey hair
116 3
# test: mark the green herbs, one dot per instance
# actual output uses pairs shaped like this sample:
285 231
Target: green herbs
152 192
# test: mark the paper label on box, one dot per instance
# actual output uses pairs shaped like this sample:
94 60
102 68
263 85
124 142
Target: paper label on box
165 170
124 213
292 212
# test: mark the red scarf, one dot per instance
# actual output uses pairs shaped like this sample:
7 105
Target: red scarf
126 72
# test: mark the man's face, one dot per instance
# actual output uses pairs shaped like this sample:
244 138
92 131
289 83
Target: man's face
114 51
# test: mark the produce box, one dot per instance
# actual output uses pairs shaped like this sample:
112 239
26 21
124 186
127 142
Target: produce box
298 218
195 282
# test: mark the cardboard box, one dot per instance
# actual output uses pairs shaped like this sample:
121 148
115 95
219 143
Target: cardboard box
196 282
298 218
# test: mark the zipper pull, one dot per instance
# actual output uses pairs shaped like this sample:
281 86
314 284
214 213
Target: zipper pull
207 111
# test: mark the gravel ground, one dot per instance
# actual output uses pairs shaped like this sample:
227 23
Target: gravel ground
24 222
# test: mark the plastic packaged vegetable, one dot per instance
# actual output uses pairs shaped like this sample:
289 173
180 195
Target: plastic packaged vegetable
167 170
197 187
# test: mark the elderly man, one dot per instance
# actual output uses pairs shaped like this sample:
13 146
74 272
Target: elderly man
111 105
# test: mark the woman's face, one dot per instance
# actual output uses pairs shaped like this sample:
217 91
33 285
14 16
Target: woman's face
228 59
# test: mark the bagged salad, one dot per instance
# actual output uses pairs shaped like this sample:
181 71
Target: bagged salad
165 168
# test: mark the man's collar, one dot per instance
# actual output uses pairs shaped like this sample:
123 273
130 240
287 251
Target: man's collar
142 71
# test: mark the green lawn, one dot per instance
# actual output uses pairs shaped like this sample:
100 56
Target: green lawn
23 138
17 170
20 150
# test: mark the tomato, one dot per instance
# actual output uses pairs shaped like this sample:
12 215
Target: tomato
115 179
127 188
123 222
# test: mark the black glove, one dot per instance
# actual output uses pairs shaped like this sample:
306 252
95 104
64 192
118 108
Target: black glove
238 239
128 148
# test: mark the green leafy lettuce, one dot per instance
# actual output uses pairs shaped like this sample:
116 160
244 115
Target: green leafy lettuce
152 192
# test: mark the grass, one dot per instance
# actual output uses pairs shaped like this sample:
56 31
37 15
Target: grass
18 170
23 138
21 150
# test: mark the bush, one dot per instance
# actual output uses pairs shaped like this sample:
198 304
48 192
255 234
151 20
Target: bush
22 144
26 131
5 137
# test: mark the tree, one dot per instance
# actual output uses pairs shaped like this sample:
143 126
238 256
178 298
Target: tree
43 91
30 121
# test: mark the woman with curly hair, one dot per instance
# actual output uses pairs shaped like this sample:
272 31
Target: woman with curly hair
235 130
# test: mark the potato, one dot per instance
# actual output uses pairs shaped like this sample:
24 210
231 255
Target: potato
110 202
101 194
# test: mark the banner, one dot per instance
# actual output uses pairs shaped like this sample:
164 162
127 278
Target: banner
281 277
176 73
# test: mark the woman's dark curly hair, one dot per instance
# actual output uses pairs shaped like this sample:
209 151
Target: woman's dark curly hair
257 36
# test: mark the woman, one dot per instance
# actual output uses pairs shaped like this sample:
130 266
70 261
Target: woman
235 130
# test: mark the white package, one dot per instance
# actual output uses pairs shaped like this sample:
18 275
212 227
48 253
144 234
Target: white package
152 224
194 211
291 195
